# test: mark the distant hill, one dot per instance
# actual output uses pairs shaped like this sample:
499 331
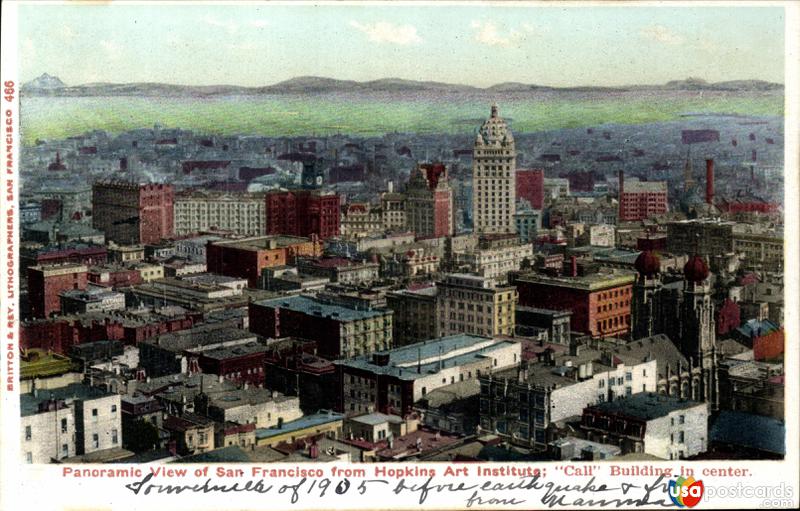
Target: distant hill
47 85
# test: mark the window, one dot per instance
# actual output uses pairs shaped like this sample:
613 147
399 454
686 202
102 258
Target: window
628 376
114 437
64 450
113 408
680 437
27 432
29 457
601 384
681 419
63 425
94 414
95 441
424 390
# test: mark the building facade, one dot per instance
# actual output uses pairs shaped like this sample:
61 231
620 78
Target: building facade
303 213
429 201
477 305
130 213
46 283
530 186
494 177
240 213
640 200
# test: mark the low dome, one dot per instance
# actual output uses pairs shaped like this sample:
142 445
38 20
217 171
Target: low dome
695 269
647 264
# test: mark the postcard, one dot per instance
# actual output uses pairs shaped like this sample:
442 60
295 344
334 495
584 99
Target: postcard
399 255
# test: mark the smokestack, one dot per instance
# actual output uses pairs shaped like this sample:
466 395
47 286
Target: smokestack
621 183
709 181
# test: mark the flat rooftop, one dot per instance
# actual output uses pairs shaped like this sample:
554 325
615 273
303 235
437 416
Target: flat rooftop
422 359
200 336
645 406
313 307
309 421
29 404
264 242
590 282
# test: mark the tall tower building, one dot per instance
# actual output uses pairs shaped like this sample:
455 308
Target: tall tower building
646 303
698 333
494 177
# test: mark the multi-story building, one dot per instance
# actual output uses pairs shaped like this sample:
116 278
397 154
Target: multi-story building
600 302
556 187
494 177
525 405
415 317
762 246
529 223
248 257
392 381
130 213
240 213
67 421
530 186
340 270
640 200
218 349
46 283
361 220
665 427
474 304
194 248
429 201
555 322
393 207
192 433
76 301
494 256
703 237
303 213
339 331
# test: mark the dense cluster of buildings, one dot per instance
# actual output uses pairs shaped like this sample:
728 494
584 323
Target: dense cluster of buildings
333 299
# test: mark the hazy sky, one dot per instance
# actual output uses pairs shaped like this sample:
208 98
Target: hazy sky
469 44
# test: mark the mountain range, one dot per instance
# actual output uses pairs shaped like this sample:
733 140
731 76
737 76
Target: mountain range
47 85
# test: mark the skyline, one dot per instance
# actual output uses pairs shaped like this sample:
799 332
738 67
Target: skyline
257 45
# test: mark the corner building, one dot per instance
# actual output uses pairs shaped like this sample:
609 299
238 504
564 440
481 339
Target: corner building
494 177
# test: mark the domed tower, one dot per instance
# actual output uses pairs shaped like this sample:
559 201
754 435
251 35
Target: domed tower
494 192
698 333
646 304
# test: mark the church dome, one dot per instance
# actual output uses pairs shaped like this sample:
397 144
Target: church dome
695 269
647 264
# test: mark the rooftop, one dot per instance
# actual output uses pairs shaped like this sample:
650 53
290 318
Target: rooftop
309 421
376 418
200 336
29 404
424 358
263 242
591 282
645 406
314 307
749 430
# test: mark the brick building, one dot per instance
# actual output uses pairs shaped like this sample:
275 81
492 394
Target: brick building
303 213
247 257
130 213
429 202
46 282
339 331
530 186
600 302
77 253
639 200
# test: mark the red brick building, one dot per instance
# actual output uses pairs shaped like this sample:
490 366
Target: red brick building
600 302
46 282
639 200
303 213
114 276
131 214
429 201
246 258
530 186
59 335
74 253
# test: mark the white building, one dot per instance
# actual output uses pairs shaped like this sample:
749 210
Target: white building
242 213
494 177
72 420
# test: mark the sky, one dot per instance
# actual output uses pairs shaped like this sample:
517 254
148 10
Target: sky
480 45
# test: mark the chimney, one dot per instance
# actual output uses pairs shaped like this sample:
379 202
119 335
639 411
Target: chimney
621 182
709 181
